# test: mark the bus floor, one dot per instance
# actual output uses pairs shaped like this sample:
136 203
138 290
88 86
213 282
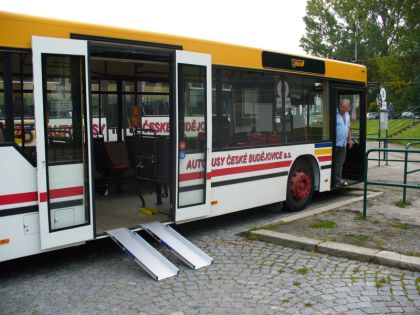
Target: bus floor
123 209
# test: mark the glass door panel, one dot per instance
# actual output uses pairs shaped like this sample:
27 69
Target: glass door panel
63 147
193 140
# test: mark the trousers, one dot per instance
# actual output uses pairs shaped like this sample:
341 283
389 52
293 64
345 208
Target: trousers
339 158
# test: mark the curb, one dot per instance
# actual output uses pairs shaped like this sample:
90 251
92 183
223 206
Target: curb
322 209
377 256
340 249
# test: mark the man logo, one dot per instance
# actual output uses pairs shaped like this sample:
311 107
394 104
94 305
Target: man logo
298 63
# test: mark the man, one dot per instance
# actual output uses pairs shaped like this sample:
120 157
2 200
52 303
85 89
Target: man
343 136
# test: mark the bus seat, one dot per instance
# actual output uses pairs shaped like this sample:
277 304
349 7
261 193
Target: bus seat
200 141
239 140
255 139
273 139
118 154
111 161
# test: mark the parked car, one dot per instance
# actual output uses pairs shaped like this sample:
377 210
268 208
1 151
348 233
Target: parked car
372 115
409 114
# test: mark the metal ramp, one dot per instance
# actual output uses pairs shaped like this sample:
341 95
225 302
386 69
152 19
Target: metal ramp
157 265
184 249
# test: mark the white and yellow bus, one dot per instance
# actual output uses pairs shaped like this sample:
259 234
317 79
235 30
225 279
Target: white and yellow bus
100 121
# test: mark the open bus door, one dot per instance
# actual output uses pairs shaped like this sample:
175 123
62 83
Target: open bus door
63 142
353 166
193 137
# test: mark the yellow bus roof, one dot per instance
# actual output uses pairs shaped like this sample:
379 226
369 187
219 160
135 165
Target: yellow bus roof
17 31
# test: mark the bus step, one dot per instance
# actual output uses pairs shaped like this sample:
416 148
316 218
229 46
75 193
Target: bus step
155 264
189 253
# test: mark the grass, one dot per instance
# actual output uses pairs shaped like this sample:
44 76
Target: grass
326 224
303 271
411 133
398 225
402 203
417 282
379 282
357 240
415 254
308 304
359 217
394 126
296 283
403 282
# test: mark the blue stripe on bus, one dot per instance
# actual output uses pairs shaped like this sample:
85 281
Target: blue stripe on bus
323 145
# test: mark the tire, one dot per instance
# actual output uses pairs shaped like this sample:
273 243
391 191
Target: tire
300 186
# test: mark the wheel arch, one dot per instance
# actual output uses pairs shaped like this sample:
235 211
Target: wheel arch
311 160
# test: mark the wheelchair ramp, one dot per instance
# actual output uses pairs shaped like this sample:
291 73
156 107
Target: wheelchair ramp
183 248
144 254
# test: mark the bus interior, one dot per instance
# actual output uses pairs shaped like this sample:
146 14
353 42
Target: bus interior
354 163
130 91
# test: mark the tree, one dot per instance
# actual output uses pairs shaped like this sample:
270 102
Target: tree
383 35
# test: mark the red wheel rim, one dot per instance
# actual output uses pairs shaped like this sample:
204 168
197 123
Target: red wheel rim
301 185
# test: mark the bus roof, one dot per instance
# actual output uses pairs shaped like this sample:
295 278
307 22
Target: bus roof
17 31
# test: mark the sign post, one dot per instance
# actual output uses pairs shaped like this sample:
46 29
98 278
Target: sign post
383 120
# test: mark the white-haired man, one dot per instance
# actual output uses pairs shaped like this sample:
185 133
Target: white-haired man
343 137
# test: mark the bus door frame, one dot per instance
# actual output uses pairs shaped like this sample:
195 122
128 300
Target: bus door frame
341 88
191 210
62 175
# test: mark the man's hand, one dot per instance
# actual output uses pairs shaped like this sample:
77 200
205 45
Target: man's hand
350 142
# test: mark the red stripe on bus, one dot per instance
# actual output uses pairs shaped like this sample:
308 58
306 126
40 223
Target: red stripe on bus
249 168
324 158
190 176
234 170
61 193
66 192
43 197
18 198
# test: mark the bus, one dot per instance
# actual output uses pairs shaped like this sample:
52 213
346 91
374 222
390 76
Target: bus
109 131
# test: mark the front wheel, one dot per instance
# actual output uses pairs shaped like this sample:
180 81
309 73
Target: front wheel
300 186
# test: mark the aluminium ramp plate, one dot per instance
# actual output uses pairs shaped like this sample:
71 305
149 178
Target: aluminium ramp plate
183 248
157 265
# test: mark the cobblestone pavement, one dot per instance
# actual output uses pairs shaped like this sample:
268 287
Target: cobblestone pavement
247 277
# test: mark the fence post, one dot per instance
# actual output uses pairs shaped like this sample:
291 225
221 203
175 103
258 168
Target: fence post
365 173
405 172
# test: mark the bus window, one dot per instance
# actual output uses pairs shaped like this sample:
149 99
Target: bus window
192 108
65 108
305 105
155 105
154 98
105 109
2 105
20 126
246 108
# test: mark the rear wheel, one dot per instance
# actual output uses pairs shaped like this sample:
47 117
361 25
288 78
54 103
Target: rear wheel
300 186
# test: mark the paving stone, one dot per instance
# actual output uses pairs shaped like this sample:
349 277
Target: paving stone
244 279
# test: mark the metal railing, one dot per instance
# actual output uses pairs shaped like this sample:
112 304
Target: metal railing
406 172
404 185
386 141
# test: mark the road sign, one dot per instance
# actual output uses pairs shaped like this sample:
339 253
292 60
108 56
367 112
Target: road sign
383 94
